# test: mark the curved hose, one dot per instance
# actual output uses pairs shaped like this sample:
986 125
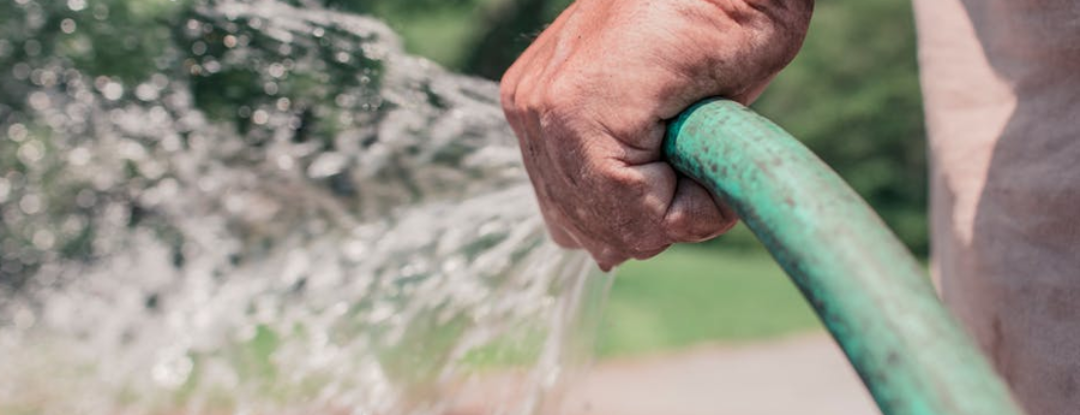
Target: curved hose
866 287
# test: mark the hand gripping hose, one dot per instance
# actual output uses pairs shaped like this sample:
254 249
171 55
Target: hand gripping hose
870 292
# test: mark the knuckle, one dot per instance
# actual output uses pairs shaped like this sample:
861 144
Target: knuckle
704 233
622 180
610 259
650 244
642 241
507 94
561 94
688 228
527 101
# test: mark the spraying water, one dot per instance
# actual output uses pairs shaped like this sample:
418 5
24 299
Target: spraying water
261 207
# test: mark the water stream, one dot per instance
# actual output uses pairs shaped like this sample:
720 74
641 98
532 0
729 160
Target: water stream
264 207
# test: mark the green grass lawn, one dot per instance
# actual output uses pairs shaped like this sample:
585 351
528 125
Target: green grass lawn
695 294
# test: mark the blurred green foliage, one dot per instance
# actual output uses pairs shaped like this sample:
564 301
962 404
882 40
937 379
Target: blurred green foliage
480 37
852 95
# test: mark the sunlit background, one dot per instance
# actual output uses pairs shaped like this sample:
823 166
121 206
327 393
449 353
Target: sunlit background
852 95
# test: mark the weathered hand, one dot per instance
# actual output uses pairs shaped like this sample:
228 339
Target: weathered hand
589 100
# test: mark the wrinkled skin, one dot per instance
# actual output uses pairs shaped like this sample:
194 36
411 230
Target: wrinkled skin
589 102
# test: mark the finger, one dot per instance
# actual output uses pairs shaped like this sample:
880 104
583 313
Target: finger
562 237
530 68
606 256
610 257
750 95
649 253
694 215
524 68
635 200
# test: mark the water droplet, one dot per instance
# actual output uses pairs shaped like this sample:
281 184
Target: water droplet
270 88
345 100
73 225
285 162
20 71
32 47
39 101
43 77
31 152
30 204
328 164
5 189
79 156
17 132
67 26
101 12
110 89
172 371
76 5
198 48
146 92
211 66
159 80
283 104
276 70
229 41
43 239
260 117
86 199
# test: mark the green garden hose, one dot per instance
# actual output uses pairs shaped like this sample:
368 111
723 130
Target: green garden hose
867 288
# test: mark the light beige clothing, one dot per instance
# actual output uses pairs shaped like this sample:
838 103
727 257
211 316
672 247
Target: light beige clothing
1001 80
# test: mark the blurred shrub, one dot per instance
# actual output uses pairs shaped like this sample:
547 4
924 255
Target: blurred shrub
479 37
853 97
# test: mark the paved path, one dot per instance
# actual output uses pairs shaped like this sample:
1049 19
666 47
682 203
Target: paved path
805 375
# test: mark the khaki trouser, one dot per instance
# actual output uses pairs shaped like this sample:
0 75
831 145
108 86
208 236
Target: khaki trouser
1001 79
